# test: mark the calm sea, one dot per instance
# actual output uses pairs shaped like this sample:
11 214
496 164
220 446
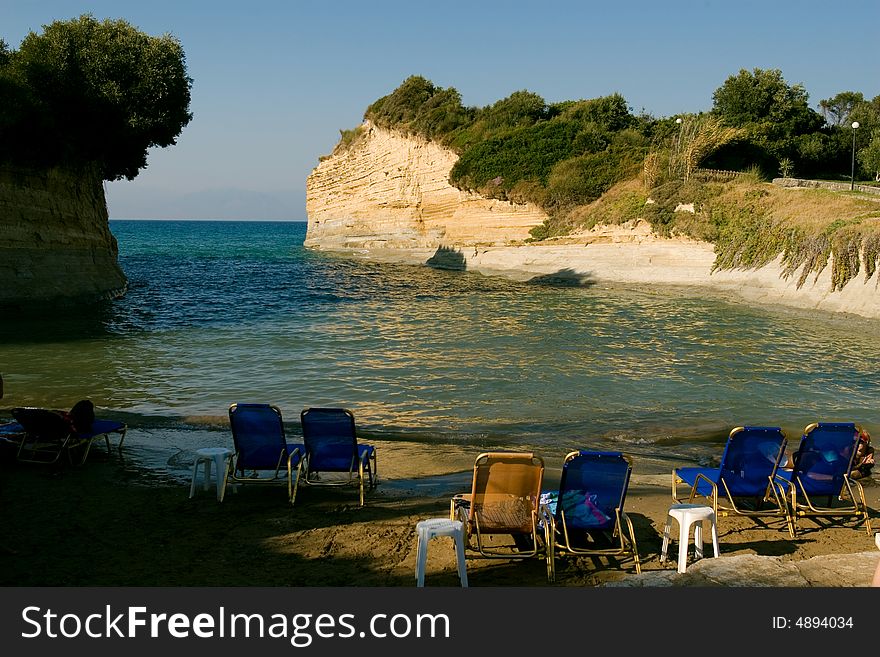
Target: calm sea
222 312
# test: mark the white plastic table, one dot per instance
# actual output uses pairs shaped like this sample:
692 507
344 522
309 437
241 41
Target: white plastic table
431 528
220 457
687 515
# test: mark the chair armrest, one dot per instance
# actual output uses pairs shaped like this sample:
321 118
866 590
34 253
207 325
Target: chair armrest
459 509
545 517
294 452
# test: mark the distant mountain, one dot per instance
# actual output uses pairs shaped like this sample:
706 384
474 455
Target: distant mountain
127 201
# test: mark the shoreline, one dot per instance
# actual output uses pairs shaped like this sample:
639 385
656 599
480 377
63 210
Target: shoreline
630 255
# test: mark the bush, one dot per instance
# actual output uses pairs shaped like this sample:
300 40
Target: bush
583 179
90 93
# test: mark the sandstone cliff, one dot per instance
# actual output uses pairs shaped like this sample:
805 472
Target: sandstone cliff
389 190
55 240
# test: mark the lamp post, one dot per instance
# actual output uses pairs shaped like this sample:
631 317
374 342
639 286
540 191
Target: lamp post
677 153
852 175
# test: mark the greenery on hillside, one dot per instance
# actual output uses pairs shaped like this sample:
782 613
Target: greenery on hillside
91 94
520 148
593 161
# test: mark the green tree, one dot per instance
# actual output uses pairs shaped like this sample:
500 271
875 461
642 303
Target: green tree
837 109
764 97
869 157
771 115
521 108
441 114
867 113
98 93
609 113
402 105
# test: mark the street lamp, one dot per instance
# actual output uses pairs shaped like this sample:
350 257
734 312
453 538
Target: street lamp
852 175
677 150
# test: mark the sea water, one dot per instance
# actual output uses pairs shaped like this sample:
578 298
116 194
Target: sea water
223 312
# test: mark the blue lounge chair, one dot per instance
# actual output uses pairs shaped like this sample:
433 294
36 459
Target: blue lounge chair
103 429
47 434
745 478
261 447
11 433
87 428
586 516
331 446
819 483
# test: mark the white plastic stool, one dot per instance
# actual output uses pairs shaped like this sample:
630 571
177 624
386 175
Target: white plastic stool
220 456
428 529
687 515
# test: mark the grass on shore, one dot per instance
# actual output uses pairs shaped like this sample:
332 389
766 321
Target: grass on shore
750 222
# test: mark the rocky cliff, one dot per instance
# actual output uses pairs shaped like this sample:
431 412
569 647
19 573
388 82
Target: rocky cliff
55 240
390 190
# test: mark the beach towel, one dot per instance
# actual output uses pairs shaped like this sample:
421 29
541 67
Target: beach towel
580 508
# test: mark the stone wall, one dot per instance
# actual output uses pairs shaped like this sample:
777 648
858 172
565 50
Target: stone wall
825 184
392 191
55 241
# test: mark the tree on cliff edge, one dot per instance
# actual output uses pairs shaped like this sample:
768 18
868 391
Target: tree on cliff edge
90 93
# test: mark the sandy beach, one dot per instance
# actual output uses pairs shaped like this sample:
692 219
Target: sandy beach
110 523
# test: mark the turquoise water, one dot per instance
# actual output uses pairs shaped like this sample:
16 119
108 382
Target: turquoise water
222 312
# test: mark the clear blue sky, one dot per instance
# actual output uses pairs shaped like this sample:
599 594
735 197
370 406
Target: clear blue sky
275 81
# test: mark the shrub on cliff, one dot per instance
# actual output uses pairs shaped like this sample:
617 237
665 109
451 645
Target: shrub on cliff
509 149
89 93
418 106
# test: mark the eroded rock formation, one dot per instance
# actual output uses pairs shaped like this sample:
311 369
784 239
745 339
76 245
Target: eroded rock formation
390 190
55 241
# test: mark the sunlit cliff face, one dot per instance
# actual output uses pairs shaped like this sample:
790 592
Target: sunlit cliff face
389 190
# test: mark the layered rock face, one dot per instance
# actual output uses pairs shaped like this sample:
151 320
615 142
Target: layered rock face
393 191
55 241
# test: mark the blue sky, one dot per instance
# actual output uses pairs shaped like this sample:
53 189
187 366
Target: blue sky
275 81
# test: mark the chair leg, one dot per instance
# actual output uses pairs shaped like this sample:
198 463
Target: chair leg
291 489
222 489
421 558
632 543
192 486
206 483
666 528
460 558
698 540
85 452
683 539
221 466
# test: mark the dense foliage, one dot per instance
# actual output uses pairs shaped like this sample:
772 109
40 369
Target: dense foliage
88 93
777 124
525 149
521 148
